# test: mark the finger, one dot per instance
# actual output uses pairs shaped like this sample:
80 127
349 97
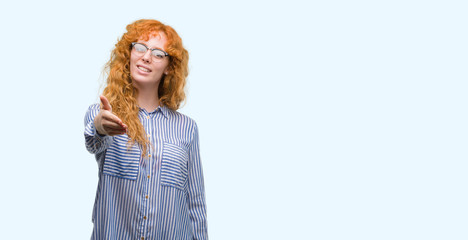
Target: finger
112 125
105 103
112 118
115 132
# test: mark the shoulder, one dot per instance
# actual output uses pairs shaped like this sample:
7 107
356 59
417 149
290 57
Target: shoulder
95 106
92 111
173 115
182 120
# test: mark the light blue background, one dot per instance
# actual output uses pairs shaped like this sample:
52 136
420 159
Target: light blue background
318 119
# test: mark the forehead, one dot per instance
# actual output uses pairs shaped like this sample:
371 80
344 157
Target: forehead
154 40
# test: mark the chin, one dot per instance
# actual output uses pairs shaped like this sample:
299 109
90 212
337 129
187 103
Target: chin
144 80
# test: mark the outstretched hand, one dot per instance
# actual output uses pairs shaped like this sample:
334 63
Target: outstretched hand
106 122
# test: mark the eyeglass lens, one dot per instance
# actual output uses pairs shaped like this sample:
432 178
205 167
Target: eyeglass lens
140 48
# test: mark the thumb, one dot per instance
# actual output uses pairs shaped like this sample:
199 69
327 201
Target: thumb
105 103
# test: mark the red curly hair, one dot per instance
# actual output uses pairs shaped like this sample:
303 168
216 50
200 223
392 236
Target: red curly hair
120 91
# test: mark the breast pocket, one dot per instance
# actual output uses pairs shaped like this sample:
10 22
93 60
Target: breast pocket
122 161
174 165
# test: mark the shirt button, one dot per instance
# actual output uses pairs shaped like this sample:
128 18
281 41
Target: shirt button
142 238
146 196
148 176
149 155
144 217
147 117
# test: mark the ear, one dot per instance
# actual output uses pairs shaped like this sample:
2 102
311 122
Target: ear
166 70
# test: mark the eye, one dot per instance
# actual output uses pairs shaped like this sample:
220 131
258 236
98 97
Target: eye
140 48
158 54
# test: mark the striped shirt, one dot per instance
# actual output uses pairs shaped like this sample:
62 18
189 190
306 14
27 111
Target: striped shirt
157 196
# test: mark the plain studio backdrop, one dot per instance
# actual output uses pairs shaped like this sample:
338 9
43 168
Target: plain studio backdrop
318 119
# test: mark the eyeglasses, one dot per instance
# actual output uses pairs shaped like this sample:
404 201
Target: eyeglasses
158 54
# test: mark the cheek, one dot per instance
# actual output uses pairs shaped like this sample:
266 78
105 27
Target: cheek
133 62
164 67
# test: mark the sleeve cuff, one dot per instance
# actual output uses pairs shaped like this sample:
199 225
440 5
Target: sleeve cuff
91 131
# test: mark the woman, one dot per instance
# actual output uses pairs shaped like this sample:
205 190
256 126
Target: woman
150 174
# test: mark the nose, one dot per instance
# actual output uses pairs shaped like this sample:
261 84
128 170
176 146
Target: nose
147 57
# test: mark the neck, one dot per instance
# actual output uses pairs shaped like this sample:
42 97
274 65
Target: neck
148 98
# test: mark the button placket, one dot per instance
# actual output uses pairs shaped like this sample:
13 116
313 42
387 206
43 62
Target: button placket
145 187
148 173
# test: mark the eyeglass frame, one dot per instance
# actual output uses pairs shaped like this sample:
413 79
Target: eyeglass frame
147 48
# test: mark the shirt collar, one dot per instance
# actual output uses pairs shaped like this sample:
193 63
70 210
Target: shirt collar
163 109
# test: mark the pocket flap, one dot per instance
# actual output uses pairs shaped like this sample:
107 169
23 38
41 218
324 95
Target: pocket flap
174 165
121 160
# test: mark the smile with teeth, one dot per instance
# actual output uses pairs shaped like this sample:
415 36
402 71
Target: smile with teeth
143 69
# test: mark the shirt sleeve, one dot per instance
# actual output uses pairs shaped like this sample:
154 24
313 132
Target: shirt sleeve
196 190
95 143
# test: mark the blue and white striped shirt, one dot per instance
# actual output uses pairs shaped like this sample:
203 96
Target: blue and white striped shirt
159 196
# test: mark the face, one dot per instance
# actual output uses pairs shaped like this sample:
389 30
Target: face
145 69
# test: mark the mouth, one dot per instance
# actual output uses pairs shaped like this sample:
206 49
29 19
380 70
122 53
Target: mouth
144 69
